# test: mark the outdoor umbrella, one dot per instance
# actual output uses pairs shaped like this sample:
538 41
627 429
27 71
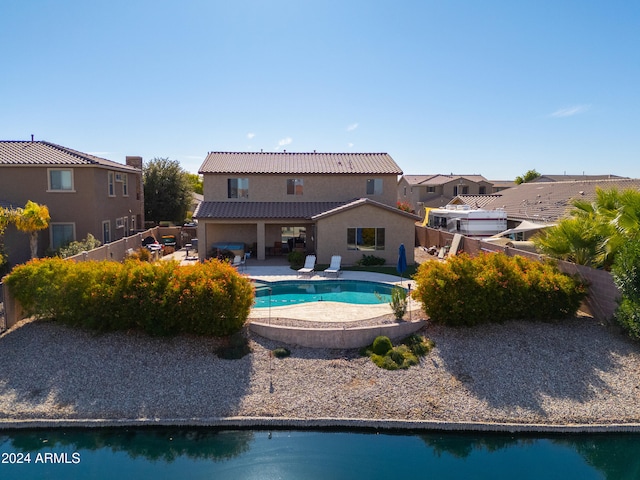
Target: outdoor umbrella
402 261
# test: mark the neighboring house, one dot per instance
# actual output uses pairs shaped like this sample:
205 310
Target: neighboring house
545 202
433 191
575 178
323 203
85 194
500 185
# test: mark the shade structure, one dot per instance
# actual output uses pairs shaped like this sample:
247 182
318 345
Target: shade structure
402 260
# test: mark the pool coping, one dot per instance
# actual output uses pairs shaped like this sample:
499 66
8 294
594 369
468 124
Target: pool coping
265 423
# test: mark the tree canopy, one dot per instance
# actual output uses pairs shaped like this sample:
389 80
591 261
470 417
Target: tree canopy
30 219
167 190
196 182
527 177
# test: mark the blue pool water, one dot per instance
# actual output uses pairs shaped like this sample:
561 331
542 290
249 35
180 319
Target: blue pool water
160 453
293 292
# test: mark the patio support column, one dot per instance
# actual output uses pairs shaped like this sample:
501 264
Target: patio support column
260 235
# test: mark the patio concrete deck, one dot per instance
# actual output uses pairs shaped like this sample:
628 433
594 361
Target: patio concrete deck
277 269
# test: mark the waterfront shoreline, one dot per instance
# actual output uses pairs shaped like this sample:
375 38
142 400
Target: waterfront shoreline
569 376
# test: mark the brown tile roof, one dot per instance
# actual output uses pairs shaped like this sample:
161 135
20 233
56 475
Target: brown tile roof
292 210
299 163
478 201
365 201
439 179
14 152
255 210
567 178
546 202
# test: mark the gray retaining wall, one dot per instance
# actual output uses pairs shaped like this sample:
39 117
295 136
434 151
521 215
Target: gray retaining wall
341 338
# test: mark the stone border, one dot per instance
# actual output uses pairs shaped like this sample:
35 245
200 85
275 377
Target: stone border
341 338
265 423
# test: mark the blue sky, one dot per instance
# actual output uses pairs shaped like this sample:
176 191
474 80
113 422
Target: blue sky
488 87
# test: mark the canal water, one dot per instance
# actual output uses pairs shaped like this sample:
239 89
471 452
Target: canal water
198 453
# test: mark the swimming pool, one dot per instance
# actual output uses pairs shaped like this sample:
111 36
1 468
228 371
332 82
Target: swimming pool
295 292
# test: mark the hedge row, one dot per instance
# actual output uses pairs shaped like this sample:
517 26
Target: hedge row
161 298
493 287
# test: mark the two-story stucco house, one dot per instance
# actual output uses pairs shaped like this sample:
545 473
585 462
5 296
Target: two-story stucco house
434 191
85 194
323 203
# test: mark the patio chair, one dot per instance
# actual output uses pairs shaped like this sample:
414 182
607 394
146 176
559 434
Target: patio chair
238 261
334 267
309 266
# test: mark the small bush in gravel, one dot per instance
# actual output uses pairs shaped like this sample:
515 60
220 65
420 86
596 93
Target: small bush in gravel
381 345
419 345
402 356
281 352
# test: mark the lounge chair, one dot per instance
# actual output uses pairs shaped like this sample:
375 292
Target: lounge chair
238 261
334 268
309 266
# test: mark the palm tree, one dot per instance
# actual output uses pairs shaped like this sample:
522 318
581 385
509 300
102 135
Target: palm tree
596 230
30 219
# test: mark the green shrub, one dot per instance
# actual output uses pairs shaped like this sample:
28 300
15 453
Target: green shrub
381 345
399 302
281 352
74 248
296 260
419 345
626 275
494 287
370 260
401 357
162 298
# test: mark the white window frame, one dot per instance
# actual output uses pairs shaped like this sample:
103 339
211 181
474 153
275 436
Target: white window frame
119 222
52 226
106 231
125 185
60 190
111 183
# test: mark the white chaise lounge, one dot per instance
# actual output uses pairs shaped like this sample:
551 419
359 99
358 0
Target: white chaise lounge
309 266
334 267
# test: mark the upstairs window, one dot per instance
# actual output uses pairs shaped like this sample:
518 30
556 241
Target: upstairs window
238 188
111 182
125 185
482 190
294 186
60 180
374 186
431 189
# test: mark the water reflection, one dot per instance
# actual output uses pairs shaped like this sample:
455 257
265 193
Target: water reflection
246 454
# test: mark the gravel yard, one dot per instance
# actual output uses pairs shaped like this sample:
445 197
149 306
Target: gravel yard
575 371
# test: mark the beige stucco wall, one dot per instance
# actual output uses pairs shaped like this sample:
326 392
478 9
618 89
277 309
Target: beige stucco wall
86 207
331 234
273 188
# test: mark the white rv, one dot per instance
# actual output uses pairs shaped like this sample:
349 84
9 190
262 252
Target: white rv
471 222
